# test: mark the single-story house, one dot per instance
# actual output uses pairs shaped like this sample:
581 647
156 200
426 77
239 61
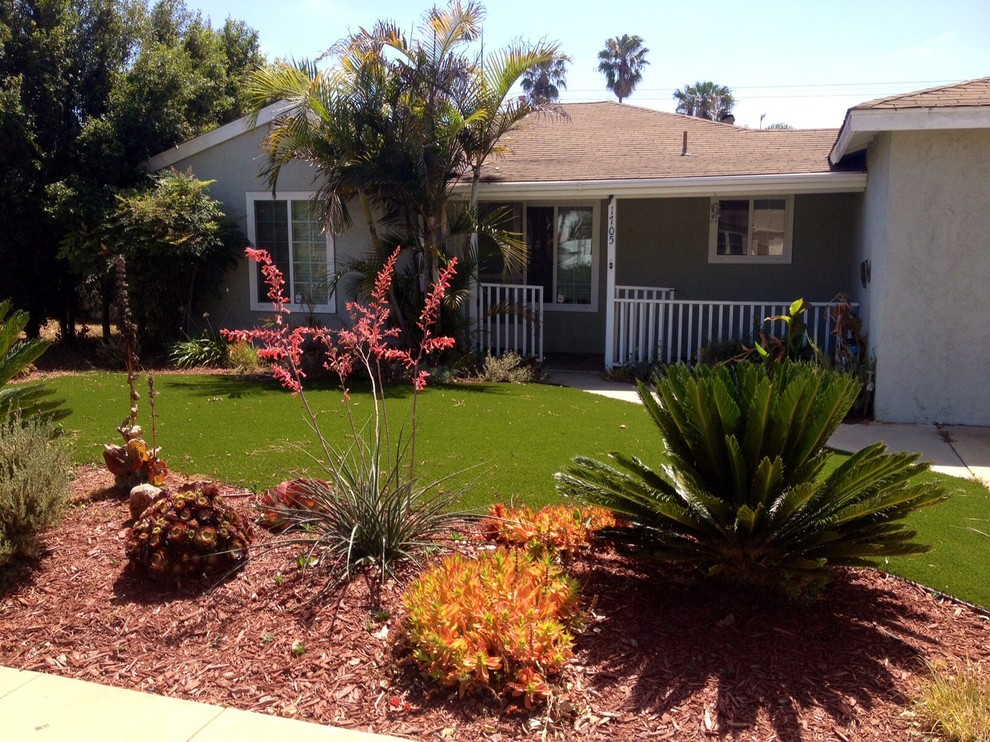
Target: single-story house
652 235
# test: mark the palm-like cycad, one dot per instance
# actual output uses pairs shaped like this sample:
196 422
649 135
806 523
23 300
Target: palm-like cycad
705 100
622 61
30 399
741 488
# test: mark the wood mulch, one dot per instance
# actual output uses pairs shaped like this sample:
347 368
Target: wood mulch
664 656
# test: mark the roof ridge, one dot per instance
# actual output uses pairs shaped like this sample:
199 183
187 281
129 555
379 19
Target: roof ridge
923 91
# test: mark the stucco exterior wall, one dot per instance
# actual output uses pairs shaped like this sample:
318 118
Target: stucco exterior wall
664 242
236 167
931 330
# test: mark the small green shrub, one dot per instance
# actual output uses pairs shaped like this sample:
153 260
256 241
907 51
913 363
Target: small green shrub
505 369
956 703
502 621
740 490
211 351
188 535
35 468
243 357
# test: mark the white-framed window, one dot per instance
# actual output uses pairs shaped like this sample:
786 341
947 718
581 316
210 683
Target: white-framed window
289 228
751 230
563 254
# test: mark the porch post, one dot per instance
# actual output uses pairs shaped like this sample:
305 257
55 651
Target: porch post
610 284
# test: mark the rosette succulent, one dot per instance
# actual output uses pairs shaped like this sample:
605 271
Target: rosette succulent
189 534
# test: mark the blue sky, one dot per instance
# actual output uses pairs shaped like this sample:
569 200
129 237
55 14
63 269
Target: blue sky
803 62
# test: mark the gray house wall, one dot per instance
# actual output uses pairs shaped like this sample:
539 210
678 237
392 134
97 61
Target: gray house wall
927 232
664 242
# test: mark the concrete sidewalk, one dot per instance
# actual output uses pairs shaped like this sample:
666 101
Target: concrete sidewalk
36 706
956 450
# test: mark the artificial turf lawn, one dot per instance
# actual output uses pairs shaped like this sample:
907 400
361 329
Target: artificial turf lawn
510 438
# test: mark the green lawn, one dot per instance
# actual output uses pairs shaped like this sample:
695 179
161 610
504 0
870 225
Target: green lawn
253 433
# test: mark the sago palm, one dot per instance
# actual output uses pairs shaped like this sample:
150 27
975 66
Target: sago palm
741 488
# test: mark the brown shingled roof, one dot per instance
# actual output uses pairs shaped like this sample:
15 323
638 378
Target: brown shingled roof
971 93
612 141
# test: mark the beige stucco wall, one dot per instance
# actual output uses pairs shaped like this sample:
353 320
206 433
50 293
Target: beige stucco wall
236 167
927 233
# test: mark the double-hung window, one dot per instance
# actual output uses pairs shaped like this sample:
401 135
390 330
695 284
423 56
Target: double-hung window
753 230
289 228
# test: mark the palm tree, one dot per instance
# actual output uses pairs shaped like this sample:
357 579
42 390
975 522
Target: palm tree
622 61
705 100
542 82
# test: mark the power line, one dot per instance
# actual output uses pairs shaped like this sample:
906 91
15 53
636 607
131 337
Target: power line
798 86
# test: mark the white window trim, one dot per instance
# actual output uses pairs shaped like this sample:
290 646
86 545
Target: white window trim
258 306
714 257
553 306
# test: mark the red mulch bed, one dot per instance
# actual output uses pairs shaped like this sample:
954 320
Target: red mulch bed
665 656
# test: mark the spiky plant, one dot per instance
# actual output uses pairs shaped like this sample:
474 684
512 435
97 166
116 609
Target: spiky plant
741 490
189 535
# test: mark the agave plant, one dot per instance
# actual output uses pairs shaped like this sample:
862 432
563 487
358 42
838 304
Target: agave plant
741 487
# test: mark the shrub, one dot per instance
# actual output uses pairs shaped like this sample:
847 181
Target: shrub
505 369
554 528
35 468
502 621
189 534
740 487
956 703
209 350
243 357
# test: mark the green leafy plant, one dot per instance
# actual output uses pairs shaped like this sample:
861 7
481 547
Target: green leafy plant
741 490
955 702
243 357
208 350
370 509
35 468
188 535
507 368
502 621
16 355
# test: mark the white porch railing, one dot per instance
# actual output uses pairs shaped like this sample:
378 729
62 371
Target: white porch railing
510 318
665 330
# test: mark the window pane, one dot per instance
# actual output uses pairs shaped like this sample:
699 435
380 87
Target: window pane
768 226
539 238
309 256
574 238
733 227
271 230
491 264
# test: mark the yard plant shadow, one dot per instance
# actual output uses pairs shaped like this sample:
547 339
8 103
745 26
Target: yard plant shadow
671 635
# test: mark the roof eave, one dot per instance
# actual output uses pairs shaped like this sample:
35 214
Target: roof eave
213 138
750 185
861 125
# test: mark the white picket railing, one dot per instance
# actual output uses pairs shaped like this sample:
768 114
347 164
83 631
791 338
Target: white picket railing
510 318
665 330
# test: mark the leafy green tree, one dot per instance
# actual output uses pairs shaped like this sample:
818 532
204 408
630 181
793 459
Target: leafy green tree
543 82
392 126
705 100
178 244
622 61
88 90
741 487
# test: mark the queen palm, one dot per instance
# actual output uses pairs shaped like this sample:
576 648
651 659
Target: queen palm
622 61
705 100
542 82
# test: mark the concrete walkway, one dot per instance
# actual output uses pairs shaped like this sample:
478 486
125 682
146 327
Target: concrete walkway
36 706
956 450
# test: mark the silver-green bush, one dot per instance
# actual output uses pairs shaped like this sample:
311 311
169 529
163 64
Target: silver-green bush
35 468
508 368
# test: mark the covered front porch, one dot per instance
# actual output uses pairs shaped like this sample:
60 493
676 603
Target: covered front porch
682 276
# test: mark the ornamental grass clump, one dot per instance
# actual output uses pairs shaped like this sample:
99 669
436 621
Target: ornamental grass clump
955 703
189 535
502 622
741 488
369 509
